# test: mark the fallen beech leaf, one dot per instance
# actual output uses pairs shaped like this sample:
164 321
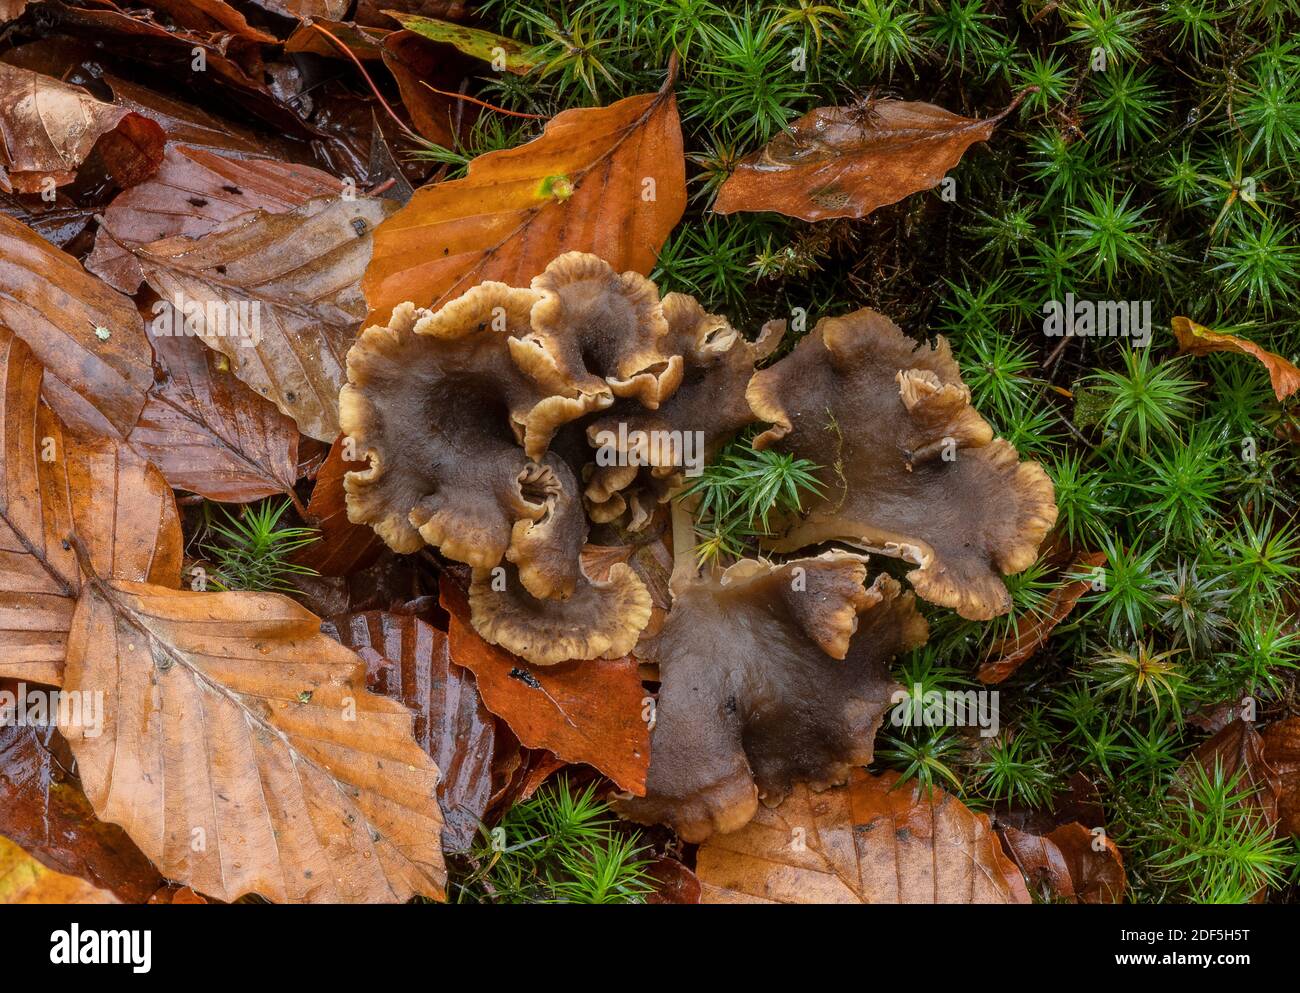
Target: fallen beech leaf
242 752
1033 630
302 9
361 41
53 485
209 433
417 65
673 882
1065 863
171 895
89 337
186 124
518 772
500 51
410 661
848 161
864 842
48 128
43 809
1239 751
1199 340
193 192
11 10
588 712
212 16
379 12
233 65
606 180
343 547
285 288
24 880
1282 752
1238 748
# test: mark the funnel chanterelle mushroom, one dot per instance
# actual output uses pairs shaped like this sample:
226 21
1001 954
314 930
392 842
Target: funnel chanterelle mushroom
913 470
771 675
480 420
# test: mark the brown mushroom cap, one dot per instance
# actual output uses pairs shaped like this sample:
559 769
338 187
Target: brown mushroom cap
709 405
434 400
599 619
910 468
771 674
595 335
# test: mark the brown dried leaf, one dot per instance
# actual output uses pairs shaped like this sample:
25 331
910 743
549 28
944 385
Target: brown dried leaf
43 809
1282 752
410 661
343 547
363 42
24 880
89 337
1066 863
303 9
289 284
11 10
209 433
415 62
242 752
48 128
193 192
53 485
863 842
588 711
848 161
1033 630
1238 748
581 186
1199 340
186 124
673 882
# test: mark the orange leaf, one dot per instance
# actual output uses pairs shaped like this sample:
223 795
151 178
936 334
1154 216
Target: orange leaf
1199 340
1033 630
241 751
24 880
588 711
1282 752
88 336
606 180
54 485
864 842
849 161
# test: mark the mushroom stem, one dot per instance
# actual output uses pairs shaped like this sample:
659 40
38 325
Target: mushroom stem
685 567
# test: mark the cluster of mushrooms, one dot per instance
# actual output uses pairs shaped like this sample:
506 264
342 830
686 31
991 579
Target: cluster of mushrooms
480 422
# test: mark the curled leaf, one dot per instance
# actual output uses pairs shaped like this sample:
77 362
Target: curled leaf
1033 629
872 840
848 161
1199 340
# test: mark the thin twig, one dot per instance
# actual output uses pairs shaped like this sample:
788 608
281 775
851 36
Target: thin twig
481 103
373 88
